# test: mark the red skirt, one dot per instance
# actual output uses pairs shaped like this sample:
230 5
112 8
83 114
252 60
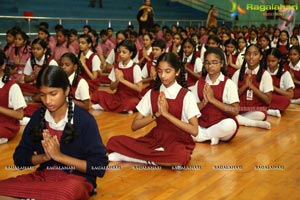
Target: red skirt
280 102
31 108
9 130
47 184
296 93
114 102
175 151
28 88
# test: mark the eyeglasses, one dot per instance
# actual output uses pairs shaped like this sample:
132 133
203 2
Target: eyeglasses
213 63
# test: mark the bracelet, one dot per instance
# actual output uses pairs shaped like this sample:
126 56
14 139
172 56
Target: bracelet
154 116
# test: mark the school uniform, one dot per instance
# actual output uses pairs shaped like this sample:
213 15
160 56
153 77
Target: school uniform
53 180
29 70
11 98
240 57
284 82
230 69
146 72
98 49
195 67
124 99
75 46
81 90
149 54
107 46
170 48
213 122
165 143
296 70
24 53
9 50
248 101
112 58
60 50
93 63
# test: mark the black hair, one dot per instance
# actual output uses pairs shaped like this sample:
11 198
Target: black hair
267 38
12 32
58 27
134 33
219 53
73 31
88 27
103 32
26 40
287 42
95 34
233 42
75 61
174 61
54 76
261 65
118 44
3 60
44 45
277 53
149 35
45 31
181 52
88 38
159 43
128 44
214 38
44 24
66 33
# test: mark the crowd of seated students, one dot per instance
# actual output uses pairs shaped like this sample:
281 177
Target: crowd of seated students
221 78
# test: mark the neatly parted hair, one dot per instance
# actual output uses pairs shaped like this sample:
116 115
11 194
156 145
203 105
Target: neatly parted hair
277 53
174 61
261 65
75 61
54 76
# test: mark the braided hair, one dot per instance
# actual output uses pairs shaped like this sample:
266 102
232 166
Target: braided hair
175 63
6 75
181 52
54 76
261 65
25 37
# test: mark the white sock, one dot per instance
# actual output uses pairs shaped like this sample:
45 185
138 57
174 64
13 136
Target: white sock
202 135
263 124
3 140
254 123
120 157
274 112
97 107
24 121
214 141
295 101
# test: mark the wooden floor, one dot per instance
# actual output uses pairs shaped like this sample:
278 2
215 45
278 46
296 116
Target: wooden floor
257 164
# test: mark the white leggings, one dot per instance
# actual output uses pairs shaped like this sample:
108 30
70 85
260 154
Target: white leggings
253 118
222 130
